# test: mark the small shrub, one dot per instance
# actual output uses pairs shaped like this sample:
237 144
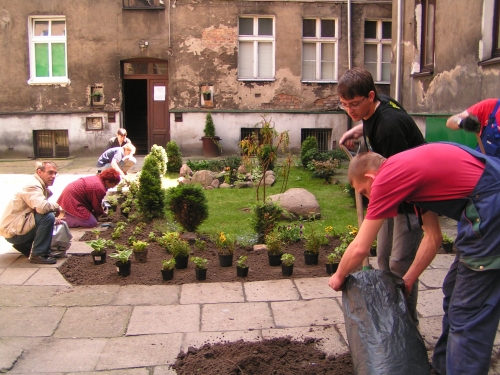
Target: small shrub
310 143
174 156
213 165
288 259
180 247
209 129
151 196
241 262
314 240
325 169
168 264
274 244
159 154
200 245
200 263
168 239
264 220
188 205
233 162
290 233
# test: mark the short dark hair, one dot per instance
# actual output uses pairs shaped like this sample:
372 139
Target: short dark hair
41 165
356 82
110 175
121 131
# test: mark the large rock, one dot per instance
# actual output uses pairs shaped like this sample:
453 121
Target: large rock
298 202
204 178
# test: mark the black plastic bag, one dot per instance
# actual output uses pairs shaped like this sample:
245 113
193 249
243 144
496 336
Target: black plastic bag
382 336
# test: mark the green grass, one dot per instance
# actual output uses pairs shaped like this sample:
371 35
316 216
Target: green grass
231 210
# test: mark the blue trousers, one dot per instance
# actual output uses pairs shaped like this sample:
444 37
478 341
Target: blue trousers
39 238
471 314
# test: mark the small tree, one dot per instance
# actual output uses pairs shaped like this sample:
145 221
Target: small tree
209 130
160 155
310 143
174 156
151 196
189 206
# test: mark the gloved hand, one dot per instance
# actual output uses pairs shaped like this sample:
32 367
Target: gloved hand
471 124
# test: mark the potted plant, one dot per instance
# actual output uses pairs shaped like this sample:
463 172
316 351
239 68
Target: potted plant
211 147
167 269
99 250
314 241
274 249
225 248
287 261
200 267
333 260
242 266
140 251
123 262
447 243
96 96
113 201
207 95
180 251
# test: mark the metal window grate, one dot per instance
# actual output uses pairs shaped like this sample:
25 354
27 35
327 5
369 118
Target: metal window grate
51 143
323 137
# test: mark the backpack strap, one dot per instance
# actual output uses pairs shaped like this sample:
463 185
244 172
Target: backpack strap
491 117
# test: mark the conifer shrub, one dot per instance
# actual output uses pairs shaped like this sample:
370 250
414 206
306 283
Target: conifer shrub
151 196
188 205
209 129
310 143
160 155
174 156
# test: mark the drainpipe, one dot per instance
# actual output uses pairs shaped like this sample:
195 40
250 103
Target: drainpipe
397 88
349 57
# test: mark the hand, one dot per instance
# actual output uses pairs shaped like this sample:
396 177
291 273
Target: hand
58 221
408 287
335 282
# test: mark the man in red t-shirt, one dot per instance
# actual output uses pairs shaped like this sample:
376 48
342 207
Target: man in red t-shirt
460 183
487 114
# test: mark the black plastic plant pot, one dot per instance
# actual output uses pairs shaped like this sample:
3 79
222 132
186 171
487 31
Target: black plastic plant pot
167 274
98 258
226 260
181 262
201 274
331 268
123 268
448 247
141 256
274 259
311 258
242 272
286 270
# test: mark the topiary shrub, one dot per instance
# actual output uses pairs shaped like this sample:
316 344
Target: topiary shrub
265 217
174 162
151 195
310 143
159 154
209 130
189 206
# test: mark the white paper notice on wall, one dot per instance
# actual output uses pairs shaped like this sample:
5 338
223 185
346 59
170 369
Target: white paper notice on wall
159 93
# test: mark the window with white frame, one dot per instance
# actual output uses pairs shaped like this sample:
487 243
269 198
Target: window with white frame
378 50
47 50
427 36
489 45
256 48
319 50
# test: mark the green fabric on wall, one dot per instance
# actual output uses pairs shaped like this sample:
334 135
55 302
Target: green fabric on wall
436 130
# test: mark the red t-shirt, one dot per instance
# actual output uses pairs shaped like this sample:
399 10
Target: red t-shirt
483 109
432 172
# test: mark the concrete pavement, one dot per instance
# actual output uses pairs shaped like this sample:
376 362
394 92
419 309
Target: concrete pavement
49 326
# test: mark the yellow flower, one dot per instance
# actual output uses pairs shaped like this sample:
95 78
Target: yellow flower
222 237
329 229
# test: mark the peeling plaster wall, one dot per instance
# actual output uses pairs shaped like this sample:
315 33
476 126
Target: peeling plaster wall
457 81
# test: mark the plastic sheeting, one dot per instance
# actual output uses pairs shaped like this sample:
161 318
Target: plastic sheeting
382 336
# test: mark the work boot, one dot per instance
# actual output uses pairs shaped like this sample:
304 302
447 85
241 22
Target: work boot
42 259
57 254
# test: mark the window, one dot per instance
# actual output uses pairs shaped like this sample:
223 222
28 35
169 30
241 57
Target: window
322 136
319 50
496 30
143 4
489 45
47 50
378 50
256 48
427 36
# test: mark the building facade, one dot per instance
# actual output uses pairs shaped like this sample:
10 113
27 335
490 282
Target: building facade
75 72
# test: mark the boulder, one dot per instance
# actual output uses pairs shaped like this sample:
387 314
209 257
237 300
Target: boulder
298 202
204 178
185 171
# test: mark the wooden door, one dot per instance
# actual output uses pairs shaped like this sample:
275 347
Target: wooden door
158 116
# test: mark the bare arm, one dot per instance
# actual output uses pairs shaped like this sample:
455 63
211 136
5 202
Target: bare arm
353 133
453 121
356 252
426 251
116 167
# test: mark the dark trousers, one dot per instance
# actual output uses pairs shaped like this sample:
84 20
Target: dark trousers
38 239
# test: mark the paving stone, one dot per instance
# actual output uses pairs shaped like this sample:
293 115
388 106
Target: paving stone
2 270
95 321
16 276
212 293
430 329
433 277
321 311
7 259
8 356
430 303
147 320
236 316
11 295
92 295
331 342
76 355
271 290
442 261
132 371
139 351
47 276
164 370
148 295
343 332
24 262
198 339
315 287
29 321
78 247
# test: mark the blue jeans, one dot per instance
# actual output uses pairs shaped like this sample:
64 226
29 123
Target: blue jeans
40 237
471 307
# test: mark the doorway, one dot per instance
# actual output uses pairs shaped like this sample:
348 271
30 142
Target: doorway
135 113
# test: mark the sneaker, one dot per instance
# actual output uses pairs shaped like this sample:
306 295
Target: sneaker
42 259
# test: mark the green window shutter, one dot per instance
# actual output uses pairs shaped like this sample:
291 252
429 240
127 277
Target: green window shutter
58 60
42 59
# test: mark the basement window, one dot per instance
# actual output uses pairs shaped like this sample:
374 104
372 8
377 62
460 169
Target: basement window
51 143
323 136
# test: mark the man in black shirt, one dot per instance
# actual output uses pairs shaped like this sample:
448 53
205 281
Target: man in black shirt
387 129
